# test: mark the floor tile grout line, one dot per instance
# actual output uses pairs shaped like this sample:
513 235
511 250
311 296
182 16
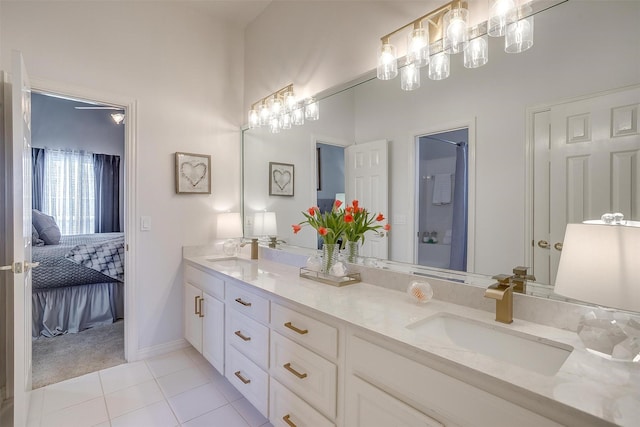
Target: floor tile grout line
104 398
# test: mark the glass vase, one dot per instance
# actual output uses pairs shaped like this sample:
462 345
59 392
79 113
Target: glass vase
330 252
352 249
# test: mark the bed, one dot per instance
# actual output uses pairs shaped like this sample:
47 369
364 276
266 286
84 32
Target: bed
79 283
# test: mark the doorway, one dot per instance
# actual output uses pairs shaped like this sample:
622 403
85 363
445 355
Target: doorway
442 199
330 180
84 330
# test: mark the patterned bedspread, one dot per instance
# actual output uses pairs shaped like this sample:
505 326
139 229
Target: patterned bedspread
56 271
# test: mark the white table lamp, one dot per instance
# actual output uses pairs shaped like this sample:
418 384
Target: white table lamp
600 264
229 226
266 224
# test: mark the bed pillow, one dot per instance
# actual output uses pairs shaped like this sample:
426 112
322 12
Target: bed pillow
46 227
35 237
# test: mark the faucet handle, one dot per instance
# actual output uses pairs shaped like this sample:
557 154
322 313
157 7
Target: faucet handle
503 279
521 273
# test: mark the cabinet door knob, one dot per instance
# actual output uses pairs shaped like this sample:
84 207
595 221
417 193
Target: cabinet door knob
241 378
244 338
288 367
240 301
287 419
293 328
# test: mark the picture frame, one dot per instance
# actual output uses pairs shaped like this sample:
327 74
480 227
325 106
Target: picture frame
281 179
193 173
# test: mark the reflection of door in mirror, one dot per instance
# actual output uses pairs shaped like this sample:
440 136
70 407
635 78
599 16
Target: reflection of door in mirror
367 178
587 162
330 177
441 202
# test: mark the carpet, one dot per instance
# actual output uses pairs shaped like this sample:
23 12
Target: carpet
72 355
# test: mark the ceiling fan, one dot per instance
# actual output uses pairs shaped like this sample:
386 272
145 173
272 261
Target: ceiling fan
117 117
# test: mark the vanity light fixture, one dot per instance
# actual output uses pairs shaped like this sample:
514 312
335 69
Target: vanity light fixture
447 32
599 264
281 109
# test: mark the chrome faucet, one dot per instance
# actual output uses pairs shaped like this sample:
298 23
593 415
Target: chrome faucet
502 292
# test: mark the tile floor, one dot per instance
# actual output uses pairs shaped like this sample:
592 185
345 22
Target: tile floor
176 389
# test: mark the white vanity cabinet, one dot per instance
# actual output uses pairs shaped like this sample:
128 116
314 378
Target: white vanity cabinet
304 364
204 314
247 343
411 393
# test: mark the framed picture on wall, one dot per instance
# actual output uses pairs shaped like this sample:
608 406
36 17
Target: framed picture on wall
280 179
193 173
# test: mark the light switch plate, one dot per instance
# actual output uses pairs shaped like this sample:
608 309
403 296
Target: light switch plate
145 223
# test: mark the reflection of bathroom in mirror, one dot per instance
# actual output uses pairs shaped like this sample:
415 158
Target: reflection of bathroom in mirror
441 209
504 104
331 185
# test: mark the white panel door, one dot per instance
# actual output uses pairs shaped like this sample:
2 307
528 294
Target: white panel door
594 165
367 180
21 212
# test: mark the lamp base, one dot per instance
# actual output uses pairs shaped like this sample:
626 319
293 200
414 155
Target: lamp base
611 334
230 247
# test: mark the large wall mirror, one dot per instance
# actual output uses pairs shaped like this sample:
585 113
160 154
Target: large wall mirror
507 109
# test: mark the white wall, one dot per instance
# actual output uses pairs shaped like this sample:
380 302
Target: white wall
597 51
184 70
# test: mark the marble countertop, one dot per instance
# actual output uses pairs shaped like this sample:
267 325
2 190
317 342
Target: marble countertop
585 386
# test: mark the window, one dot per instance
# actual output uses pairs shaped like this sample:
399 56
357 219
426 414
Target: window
69 190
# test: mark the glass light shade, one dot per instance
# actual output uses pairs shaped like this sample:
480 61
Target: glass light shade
410 77
439 66
275 105
254 119
387 62
274 124
118 118
265 114
285 120
476 53
297 115
289 101
498 12
456 31
519 35
311 109
418 47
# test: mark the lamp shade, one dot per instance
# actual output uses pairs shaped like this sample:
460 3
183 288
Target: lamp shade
270 224
600 264
228 225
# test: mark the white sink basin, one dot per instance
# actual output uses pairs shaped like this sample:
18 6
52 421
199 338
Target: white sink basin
240 268
526 351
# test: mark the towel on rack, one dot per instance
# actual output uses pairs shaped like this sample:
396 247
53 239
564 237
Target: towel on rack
442 189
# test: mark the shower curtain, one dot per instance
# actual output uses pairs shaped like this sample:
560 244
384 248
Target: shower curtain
458 257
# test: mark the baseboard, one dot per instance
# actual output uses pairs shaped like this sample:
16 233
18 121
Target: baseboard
158 350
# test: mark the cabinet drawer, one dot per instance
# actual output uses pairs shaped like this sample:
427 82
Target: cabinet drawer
210 284
303 329
249 336
249 379
308 375
371 407
433 392
286 409
248 303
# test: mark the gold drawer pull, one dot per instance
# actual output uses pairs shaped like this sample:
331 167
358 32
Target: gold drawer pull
246 304
195 305
238 333
293 328
243 379
287 420
200 313
288 367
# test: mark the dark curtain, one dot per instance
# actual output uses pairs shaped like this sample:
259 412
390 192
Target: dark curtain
37 181
107 176
458 258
